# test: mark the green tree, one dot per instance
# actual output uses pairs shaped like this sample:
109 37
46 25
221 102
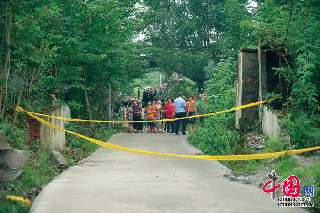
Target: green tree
70 49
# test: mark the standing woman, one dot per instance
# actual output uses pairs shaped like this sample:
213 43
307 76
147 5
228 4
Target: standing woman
159 109
121 112
140 125
130 116
149 116
169 108
163 112
191 112
136 117
156 127
125 112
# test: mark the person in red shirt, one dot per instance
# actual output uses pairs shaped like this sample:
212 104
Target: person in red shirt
156 127
169 108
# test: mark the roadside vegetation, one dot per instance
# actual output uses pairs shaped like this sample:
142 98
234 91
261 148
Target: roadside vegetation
71 51
217 135
39 170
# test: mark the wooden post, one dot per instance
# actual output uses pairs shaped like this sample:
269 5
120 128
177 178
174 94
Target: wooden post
15 114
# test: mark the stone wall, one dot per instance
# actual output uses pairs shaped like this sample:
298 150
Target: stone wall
33 128
273 125
270 123
52 138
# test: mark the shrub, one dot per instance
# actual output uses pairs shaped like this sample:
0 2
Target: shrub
303 130
17 137
216 135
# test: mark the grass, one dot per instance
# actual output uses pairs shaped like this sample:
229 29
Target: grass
308 174
284 166
39 170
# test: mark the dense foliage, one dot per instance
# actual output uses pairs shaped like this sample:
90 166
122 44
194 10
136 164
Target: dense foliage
184 35
70 49
217 135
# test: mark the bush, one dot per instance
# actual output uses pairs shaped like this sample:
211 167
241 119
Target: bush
303 130
216 135
100 132
17 137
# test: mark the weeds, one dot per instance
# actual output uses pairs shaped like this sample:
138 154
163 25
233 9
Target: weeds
274 145
303 130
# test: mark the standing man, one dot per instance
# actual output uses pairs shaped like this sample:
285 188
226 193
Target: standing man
180 109
138 94
144 98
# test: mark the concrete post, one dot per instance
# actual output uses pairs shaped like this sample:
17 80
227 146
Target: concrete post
52 138
248 87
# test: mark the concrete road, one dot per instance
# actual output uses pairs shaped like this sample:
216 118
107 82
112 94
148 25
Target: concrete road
111 181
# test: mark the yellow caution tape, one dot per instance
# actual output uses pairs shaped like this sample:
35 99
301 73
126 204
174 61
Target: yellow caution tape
224 157
19 199
19 109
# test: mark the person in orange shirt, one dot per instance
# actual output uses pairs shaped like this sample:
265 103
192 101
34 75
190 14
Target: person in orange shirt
192 110
149 116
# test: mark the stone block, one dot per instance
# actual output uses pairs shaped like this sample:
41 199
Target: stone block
14 158
3 143
10 174
57 158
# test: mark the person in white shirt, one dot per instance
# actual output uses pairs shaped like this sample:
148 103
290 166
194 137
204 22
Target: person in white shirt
180 109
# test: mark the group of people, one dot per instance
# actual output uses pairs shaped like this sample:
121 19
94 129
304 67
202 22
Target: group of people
150 94
149 116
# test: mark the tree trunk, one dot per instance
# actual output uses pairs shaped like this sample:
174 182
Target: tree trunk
87 100
6 93
18 104
7 59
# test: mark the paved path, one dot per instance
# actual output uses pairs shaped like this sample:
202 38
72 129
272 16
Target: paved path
111 181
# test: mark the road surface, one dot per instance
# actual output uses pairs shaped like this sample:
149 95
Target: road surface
112 181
